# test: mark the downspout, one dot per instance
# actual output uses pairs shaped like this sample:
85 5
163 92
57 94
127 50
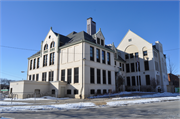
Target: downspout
82 72
57 50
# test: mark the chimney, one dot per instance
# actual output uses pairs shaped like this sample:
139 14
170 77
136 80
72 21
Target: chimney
91 26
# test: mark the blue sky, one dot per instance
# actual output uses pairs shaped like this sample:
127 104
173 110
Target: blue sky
26 24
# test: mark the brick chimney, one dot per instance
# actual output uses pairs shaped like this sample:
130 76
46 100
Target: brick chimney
91 26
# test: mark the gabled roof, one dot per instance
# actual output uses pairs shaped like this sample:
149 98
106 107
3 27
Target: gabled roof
36 54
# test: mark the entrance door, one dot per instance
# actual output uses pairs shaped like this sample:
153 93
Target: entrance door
62 91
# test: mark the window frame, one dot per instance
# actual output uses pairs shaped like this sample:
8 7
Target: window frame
99 76
76 75
63 74
103 57
92 76
98 55
91 53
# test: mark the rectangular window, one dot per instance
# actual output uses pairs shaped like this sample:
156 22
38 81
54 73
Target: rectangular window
120 65
63 75
51 62
31 64
127 68
138 80
138 66
38 63
147 80
114 62
45 60
34 64
133 81
92 53
123 67
146 65
44 76
75 91
33 77
37 77
104 91
109 77
69 76
91 75
51 75
98 76
155 54
156 66
132 67
128 81
99 91
102 42
69 91
97 55
92 91
136 55
76 75
131 55
103 57
29 77
98 41
108 58
144 53
104 76
127 56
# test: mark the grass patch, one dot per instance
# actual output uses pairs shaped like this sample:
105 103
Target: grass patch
100 103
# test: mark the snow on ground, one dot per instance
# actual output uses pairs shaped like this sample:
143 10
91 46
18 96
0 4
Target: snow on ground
49 107
165 94
142 101
41 98
13 103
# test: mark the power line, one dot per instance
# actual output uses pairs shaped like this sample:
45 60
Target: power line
18 48
11 75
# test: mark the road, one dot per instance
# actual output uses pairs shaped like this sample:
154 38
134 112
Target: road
159 110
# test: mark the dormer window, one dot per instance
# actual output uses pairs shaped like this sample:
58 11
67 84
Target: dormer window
49 36
98 40
102 42
52 44
46 47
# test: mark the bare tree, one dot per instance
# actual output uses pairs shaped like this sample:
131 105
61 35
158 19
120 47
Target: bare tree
171 68
154 84
119 82
4 82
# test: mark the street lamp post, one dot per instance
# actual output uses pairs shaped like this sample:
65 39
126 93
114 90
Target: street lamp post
22 72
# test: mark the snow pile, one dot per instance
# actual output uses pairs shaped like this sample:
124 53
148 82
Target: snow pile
165 94
142 101
41 98
13 103
49 107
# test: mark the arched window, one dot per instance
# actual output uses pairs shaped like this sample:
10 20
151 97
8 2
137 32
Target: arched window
52 44
46 47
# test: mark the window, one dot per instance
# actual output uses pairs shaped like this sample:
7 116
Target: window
120 65
98 91
144 53
98 76
102 42
128 81
34 64
49 36
98 41
127 68
147 80
29 77
136 55
130 40
44 76
31 64
92 91
103 57
63 75
91 75
133 81
123 67
37 91
156 66
114 62
52 44
138 66
51 75
51 62
131 55
132 67
127 56
91 53
38 63
146 64
46 47
37 77
104 91
155 54
53 91
75 91
109 77
33 77
69 76
45 60
138 80
68 91
97 55
108 58
76 75
104 76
